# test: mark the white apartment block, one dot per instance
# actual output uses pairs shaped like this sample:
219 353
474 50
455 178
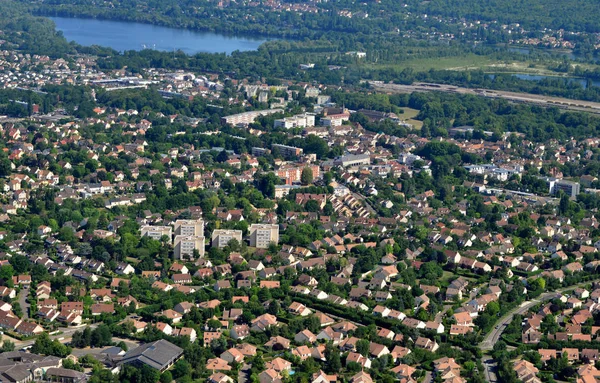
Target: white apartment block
305 120
220 238
261 235
185 245
157 232
189 227
247 117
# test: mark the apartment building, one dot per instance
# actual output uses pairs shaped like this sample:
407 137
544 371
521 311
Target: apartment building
293 174
189 227
185 245
572 189
157 232
247 117
261 235
298 121
220 238
352 160
287 151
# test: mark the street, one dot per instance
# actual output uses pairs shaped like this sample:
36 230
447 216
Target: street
243 374
489 369
64 337
494 336
23 302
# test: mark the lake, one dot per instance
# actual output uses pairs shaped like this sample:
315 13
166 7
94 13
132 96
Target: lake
122 36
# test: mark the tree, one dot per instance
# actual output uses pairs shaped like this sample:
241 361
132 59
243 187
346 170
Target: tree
166 377
332 356
307 176
492 308
101 336
5 165
362 347
7 346
222 156
20 263
6 273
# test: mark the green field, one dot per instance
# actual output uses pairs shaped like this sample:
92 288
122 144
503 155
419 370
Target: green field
474 62
409 116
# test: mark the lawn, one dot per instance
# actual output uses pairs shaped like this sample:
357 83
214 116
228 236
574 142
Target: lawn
409 116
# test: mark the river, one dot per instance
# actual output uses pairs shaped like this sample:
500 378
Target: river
122 36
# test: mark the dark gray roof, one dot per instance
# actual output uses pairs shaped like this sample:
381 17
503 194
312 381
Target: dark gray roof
157 354
66 373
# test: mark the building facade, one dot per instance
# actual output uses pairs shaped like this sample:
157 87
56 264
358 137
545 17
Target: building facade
220 238
262 235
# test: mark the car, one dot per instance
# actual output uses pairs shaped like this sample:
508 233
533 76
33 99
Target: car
497 327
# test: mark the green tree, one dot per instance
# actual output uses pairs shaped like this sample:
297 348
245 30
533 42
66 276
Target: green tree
362 347
166 377
307 176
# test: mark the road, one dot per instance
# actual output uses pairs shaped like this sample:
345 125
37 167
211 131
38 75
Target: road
494 336
65 336
489 366
25 306
526 98
244 373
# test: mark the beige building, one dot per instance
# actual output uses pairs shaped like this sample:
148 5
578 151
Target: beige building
261 235
220 238
157 232
185 245
189 227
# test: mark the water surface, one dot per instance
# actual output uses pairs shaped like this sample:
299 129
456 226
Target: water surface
124 35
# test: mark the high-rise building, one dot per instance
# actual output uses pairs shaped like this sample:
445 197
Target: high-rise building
185 245
262 235
189 227
220 238
157 232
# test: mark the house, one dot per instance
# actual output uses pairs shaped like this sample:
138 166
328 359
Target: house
378 350
305 336
240 331
355 357
426 344
322 377
299 309
278 343
102 308
278 364
361 377
219 377
463 319
233 355
404 372
217 364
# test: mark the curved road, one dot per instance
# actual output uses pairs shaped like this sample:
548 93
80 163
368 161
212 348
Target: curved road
494 336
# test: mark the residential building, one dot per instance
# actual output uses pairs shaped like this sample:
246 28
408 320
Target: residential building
220 238
184 246
262 235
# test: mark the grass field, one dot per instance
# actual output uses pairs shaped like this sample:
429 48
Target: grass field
409 115
473 62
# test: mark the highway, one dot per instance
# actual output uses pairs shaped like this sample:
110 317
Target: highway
526 98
